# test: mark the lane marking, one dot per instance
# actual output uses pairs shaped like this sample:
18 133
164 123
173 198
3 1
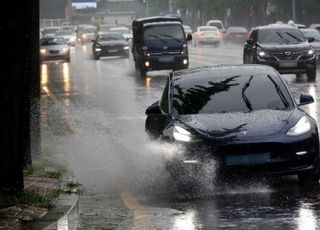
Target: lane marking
141 215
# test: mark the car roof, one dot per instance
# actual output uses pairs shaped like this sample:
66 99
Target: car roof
156 19
225 70
277 26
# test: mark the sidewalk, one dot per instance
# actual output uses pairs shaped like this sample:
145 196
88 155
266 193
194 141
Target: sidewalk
43 206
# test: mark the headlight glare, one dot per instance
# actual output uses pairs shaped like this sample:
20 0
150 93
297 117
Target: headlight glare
310 52
180 134
303 126
43 51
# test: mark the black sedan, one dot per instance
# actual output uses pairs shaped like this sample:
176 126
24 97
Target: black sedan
109 44
243 117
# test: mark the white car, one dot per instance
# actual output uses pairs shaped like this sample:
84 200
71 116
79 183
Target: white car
218 24
54 48
68 35
127 34
208 35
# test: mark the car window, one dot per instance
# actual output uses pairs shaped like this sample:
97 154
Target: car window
52 41
63 33
237 29
227 94
163 32
164 104
254 35
280 36
216 24
312 34
208 29
110 37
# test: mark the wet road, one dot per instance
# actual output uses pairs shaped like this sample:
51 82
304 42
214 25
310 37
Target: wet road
93 124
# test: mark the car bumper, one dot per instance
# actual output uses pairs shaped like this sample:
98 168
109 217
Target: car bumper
112 51
165 62
45 57
290 67
289 157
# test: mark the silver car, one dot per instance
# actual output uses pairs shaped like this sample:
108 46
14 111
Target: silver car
54 48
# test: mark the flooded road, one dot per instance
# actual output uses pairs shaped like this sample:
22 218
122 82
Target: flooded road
93 115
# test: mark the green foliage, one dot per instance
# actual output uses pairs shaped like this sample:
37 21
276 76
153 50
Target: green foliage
40 171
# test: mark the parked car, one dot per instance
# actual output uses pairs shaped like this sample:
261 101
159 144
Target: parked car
236 34
109 44
208 35
68 35
127 34
217 23
283 47
219 113
54 48
314 36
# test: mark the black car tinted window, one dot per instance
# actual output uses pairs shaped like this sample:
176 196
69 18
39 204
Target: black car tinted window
164 32
164 99
110 37
208 94
280 36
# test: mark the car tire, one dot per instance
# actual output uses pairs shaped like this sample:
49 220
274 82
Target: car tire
246 59
312 74
143 71
309 178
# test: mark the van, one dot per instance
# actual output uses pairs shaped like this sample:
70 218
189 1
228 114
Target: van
159 43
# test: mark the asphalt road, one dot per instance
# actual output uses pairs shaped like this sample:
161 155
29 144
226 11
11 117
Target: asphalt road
93 123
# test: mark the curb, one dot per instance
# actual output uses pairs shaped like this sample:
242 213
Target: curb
64 216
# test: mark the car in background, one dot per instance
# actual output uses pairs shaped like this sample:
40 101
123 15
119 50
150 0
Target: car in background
218 113
54 48
187 29
207 35
314 38
315 26
217 23
68 35
283 47
49 31
86 34
105 27
127 34
236 34
109 44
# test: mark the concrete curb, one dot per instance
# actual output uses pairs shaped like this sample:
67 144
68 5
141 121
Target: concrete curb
64 216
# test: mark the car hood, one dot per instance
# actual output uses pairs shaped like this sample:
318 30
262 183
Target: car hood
55 47
286 47
238 124
113 43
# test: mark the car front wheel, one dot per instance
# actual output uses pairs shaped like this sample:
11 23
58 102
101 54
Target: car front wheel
312 74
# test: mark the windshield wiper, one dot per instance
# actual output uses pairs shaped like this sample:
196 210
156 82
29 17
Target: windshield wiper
244 97
170 36
293 36
284 101
282 38
157 37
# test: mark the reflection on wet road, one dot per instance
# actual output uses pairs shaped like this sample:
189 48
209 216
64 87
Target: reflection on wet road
93 119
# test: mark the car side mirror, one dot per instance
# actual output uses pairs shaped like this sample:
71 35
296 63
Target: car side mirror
310 39
306 99
189 37
154 109
93 41
250 41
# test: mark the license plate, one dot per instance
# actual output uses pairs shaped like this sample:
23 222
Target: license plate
288 64
166 59
239 36
248 159
113 51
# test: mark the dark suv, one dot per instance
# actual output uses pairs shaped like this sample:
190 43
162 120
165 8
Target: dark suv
283 47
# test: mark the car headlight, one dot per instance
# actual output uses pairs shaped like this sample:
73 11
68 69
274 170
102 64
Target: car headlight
310 53
180 134
65 49
43 51
97 49
84 36
72 39
126 47
303 126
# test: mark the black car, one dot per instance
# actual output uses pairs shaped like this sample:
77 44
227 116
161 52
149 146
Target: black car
159 43
109 44
314 36
242 117
283 47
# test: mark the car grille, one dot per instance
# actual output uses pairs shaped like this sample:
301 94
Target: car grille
290 56
53 51
171 52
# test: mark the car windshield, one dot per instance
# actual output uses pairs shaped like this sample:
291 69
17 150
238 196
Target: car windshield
206 94
110 37
63 33
216 24
163 32
208 29
89 30
52 41
123 31
280 36
50 30
312 34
